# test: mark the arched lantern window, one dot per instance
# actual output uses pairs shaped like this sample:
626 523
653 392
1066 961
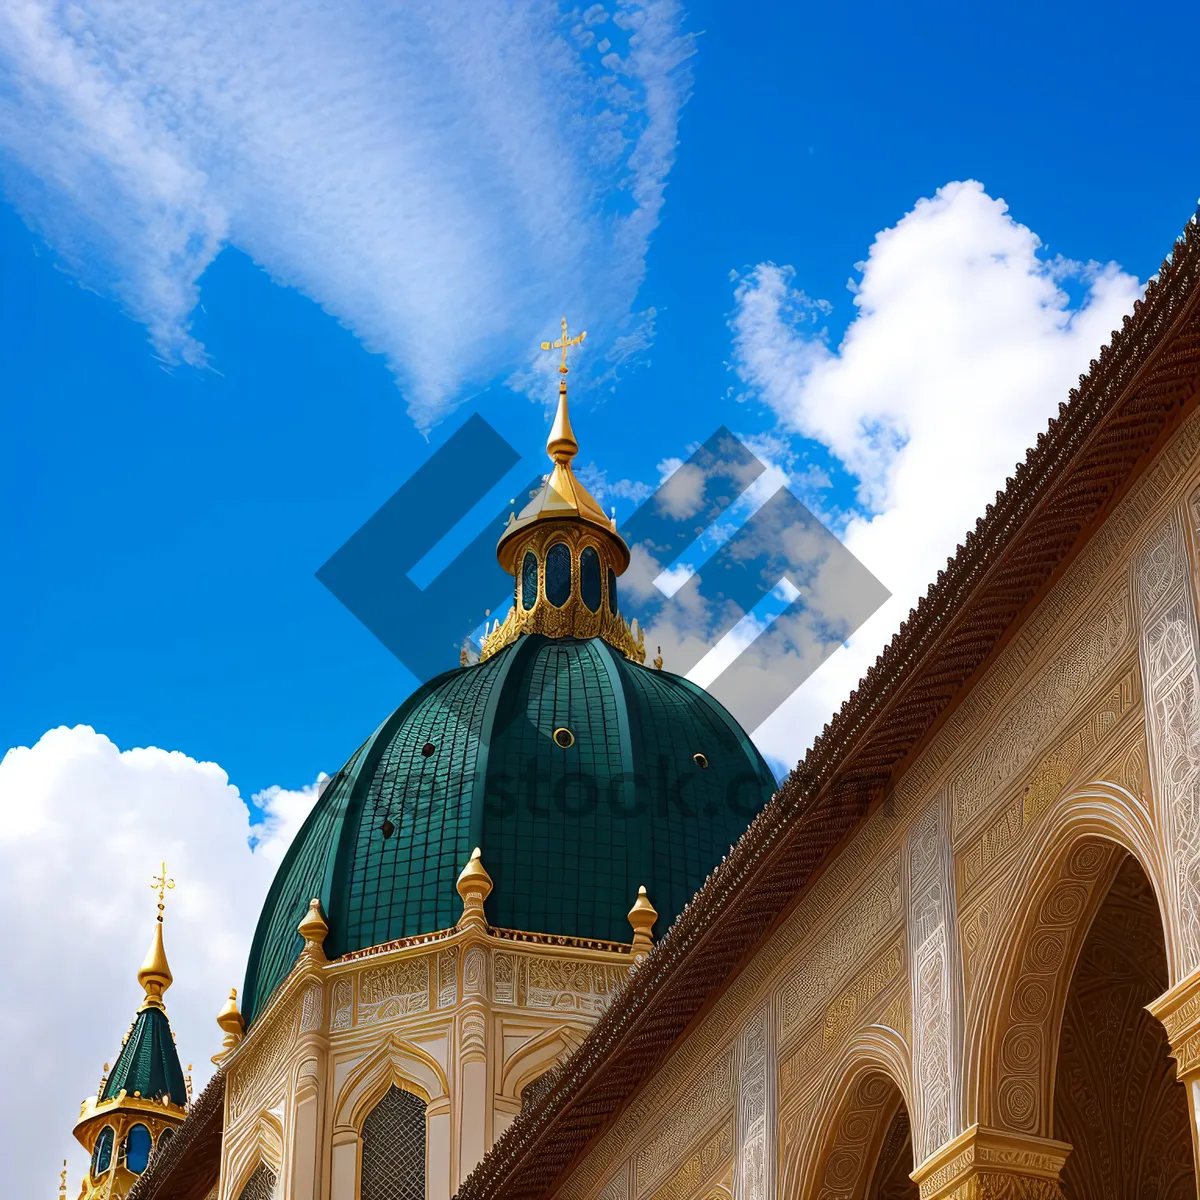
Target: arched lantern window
558 574
589 578
102 1151
529 573
612 591
138 1145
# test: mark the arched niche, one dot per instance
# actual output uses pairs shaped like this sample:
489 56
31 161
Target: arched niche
862 1108
1013 1021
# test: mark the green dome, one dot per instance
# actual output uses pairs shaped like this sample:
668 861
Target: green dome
567 833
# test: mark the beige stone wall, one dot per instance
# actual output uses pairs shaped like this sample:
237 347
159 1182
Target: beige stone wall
928 964
465 1021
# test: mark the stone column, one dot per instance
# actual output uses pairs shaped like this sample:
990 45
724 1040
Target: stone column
1178 1009
993 1164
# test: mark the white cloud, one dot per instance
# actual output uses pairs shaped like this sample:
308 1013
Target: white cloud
85 826
442 177
963 346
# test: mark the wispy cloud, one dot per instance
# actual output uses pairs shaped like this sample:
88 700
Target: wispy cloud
442 177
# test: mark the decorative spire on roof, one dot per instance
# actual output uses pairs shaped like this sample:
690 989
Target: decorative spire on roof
232 1025
563 549
155 973
146 1085
474 886
642 916
314 929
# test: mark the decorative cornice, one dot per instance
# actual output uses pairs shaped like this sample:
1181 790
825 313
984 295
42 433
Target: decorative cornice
1134 393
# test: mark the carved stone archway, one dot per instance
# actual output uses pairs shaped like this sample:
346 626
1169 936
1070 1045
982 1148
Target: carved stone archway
863 1112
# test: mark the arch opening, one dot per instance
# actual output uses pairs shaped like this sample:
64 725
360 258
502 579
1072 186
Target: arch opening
866 1149
1116 1101
393 1148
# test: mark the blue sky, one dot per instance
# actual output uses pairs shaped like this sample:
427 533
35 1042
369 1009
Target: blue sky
252 272
162 521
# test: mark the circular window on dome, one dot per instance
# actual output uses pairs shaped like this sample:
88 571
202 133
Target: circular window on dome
387 828
528 580
428 750
137 1149
558 574
102 1154
564 737
589 578
612 590
701 761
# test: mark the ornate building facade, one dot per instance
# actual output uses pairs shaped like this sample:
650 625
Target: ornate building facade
955 955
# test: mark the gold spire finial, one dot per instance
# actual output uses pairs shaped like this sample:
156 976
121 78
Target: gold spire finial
474 886
642 916
155 973
232 1025
314 929
62 1182
561 444
564 343
161 883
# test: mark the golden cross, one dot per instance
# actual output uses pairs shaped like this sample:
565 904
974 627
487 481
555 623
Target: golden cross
161 884
563 343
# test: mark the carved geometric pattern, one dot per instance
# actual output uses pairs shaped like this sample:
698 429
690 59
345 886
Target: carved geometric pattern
1116 1100
260 1185
842 946
254 1076
395 990
342 1005
1027 718
678 1128
393 1148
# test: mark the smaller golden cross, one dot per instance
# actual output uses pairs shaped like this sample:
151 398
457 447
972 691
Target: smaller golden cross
162 884
563 343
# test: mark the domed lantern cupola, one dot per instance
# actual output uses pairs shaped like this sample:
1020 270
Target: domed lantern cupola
144 1097
563 550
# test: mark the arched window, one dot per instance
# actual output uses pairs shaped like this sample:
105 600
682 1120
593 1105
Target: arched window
163 1139
137 1149
558 574
589 578
260 1185
393 1148
612 590
102 1152
529 571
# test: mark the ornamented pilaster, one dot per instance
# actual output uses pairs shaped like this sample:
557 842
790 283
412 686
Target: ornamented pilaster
755 1149
303 1172
991 1164
474 1136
